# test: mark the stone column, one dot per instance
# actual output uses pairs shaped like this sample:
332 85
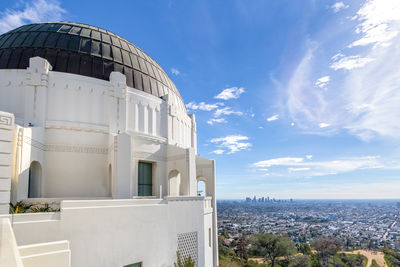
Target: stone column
6 150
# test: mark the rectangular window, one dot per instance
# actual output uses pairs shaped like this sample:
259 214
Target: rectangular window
139 264
209 237
145 179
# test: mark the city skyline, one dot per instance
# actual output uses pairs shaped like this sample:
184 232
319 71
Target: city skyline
295 98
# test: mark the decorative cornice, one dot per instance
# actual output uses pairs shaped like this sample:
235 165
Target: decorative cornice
6 120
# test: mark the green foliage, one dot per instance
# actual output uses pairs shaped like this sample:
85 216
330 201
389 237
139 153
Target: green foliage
348 260
273 246
19 207
392 258
305 249
183 262
374 264
300 261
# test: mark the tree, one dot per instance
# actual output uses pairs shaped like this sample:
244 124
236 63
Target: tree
305 249
300 261
274 246
242 247
326 247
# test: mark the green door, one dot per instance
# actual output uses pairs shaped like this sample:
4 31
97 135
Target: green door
145 177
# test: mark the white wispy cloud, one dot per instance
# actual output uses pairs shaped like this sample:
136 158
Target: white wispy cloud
364 98
32 11
202 106
230 93
323 125
214 120
218 151
350 62
175 71
339 6
378 22
273 118
226 111
322 82
233 143
320 168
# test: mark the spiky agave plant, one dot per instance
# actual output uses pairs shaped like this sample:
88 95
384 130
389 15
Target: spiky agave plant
183 262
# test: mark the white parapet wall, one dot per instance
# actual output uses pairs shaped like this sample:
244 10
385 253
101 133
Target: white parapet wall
9 254
6 146
49 254
121 232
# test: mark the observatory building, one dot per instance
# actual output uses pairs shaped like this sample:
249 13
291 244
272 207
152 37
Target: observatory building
97 146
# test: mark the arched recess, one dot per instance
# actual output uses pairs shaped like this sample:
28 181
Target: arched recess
35 180
110 180
201 186
174 183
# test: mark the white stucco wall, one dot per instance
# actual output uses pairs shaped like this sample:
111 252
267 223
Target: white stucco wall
120 232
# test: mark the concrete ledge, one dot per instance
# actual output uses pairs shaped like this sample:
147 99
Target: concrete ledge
184 198
60 258
40 248
9 254
65 204
36 217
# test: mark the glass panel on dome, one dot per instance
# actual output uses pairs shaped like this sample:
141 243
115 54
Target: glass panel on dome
62 61
36 27
118 67
73 63
51 56
30 39
137 78
86 65
105 38
26 55
86 45
96 35
125 57
53 27
115 41
129 76
116 54
156 74
40 39
62 42
74 43
95 48
133 49
10 40
142 65
52 40
14 59
146 84
134 61
75 30
125 46
150 69
65 28
4 58
108 68
85 32
19 40
153 85
106 51
97 68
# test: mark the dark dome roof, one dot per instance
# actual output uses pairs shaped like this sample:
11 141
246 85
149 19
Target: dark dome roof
85 50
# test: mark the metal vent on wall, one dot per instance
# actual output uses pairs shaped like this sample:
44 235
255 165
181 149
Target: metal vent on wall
187 245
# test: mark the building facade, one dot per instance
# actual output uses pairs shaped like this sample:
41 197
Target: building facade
92 125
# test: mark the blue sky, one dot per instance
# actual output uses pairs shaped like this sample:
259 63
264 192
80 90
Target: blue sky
294 99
